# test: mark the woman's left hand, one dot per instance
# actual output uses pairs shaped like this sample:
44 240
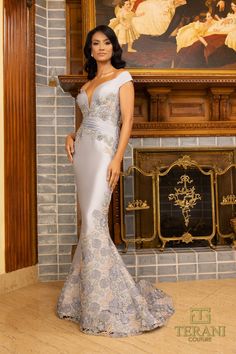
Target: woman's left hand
113 173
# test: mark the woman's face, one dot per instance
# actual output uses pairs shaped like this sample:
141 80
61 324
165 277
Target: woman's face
101 47
127 5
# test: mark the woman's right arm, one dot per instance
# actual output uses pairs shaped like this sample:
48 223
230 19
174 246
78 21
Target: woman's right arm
69 146
70 138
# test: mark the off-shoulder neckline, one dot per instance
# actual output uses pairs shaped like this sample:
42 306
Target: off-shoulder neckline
114 78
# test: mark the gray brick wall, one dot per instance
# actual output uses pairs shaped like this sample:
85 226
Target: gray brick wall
56 36
178 142
41 50
50 39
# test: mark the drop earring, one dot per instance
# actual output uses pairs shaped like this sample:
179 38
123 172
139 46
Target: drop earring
91 54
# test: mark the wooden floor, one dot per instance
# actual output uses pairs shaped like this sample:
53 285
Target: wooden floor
28 323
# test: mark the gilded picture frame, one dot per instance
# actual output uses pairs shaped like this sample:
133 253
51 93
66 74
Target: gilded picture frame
225 75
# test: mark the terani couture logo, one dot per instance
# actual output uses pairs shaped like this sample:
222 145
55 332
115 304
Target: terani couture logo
200 328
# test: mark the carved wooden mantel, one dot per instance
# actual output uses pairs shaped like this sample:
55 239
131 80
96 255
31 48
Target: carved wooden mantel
190 105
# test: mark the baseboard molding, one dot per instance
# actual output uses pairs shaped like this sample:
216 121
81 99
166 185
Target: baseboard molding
18 279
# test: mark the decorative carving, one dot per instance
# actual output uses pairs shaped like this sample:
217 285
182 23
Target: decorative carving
198 79
220 102
185 162
157 129
184 197
215 113
162 107
187 237
166 125
224 107
137 205
158 99
229 200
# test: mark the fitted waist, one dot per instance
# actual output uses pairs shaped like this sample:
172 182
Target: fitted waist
105 127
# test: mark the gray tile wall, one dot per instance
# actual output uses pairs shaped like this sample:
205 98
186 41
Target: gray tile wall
57 230
209 141
41 47
194 263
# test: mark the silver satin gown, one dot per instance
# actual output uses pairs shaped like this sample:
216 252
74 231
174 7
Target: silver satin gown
99 293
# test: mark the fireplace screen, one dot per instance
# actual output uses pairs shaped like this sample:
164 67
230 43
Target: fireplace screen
180 202
226 201
138 207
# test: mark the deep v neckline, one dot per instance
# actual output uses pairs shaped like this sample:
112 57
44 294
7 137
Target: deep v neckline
89 103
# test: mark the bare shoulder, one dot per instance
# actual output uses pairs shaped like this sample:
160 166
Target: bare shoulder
121 70
126 78
85 85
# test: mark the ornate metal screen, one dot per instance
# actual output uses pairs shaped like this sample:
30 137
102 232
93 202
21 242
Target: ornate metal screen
182 202
226 202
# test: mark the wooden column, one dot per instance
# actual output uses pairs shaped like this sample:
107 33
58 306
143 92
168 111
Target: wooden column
215 104
19 135
220 102
224 102
158 103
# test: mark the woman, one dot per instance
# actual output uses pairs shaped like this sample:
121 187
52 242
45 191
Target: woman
99 293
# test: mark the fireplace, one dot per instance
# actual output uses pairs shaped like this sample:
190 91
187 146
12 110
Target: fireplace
170 197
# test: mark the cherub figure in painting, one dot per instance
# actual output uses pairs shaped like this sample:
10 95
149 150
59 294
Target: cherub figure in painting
123 26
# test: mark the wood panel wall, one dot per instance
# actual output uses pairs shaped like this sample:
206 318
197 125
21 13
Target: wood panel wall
74 48
19 135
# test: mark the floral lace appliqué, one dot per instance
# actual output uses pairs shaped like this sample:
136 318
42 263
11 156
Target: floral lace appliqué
100 294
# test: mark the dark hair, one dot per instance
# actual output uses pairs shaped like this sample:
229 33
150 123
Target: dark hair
122 2
116 60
